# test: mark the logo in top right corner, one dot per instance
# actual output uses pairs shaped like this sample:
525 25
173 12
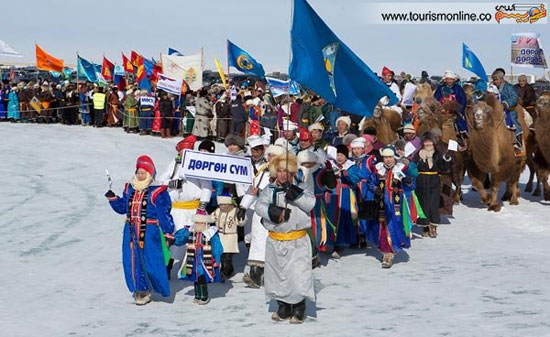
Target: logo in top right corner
521 13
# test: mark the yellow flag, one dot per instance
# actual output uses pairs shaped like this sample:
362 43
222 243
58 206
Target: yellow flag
220 70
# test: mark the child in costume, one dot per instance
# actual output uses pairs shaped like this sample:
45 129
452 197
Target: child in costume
226 220
204 252
148 224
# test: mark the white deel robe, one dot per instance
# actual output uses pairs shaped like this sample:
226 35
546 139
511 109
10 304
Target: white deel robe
192 189
258 234
385 100
288 275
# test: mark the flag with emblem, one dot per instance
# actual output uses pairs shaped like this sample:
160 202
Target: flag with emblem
188 68
126 64
242 61
327 66
86 69
107 69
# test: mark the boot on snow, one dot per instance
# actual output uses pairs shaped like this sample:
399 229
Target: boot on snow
298 313
283 313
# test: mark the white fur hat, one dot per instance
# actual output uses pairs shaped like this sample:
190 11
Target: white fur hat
316 126
289 126
281 142
449 74
266 140
254 141
358 142
345 119
275 150
307 156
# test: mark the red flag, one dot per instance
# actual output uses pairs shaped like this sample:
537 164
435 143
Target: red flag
140 72
107 69
134 58
157 69
128 67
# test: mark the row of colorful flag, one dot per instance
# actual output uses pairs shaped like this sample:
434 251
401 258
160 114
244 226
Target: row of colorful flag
320 61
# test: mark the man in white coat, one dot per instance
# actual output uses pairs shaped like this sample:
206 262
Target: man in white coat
257 234
188 194
387 78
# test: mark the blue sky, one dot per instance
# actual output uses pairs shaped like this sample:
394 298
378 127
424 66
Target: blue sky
261 27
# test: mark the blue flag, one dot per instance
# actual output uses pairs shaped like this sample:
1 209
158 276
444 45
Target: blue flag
172 51
472 63
242 61
148 64
279 87
86 70
323 63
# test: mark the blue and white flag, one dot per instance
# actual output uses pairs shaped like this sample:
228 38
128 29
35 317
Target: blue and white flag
169 85
279 87
242 61
86 70
324 64
172 51
472 63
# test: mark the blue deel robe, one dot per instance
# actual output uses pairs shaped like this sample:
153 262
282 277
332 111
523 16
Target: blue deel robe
198 268
3 112
343 208
145 268
13 105
364 193
395 220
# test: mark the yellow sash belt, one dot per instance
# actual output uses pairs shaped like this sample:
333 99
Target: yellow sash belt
428 173
294 235
193 204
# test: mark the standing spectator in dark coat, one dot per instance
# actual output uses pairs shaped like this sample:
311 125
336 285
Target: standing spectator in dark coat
238 116
165 109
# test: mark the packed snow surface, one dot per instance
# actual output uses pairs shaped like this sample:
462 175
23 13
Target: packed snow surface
487 274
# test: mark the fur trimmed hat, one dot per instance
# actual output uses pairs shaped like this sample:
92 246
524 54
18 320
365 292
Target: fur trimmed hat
224 198
202 216
146 163
409 128
274 150
316 126
233 139
186 143
345 119
207 145
286 161
389 151
307 156
255 141
343 149
348 139
358 142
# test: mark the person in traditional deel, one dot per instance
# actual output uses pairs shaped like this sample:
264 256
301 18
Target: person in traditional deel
391 230
148 225
320 181
343 208
430 163
226 220
203 258
284 208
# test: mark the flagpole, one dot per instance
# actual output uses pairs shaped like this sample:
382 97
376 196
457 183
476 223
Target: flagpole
227 54
288 92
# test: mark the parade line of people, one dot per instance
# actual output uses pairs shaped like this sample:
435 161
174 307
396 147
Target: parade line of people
324 181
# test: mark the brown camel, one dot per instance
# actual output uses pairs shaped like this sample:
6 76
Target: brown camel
386 122
493 152
542 151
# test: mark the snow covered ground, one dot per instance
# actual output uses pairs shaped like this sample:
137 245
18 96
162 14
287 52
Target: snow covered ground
486 274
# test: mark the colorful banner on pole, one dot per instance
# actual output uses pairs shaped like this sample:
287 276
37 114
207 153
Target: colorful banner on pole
45 61
220 71
527 51
188 68
279 87
169 85
214 166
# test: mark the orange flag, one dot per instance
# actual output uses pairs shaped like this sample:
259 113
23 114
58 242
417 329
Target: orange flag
107 69
45 61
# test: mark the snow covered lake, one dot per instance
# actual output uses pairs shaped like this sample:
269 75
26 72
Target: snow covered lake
486 274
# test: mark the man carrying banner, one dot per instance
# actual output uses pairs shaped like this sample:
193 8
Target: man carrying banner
509 99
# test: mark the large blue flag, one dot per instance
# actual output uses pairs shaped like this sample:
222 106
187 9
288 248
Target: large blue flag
324 64
148 64
242 61
86 70
472 63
